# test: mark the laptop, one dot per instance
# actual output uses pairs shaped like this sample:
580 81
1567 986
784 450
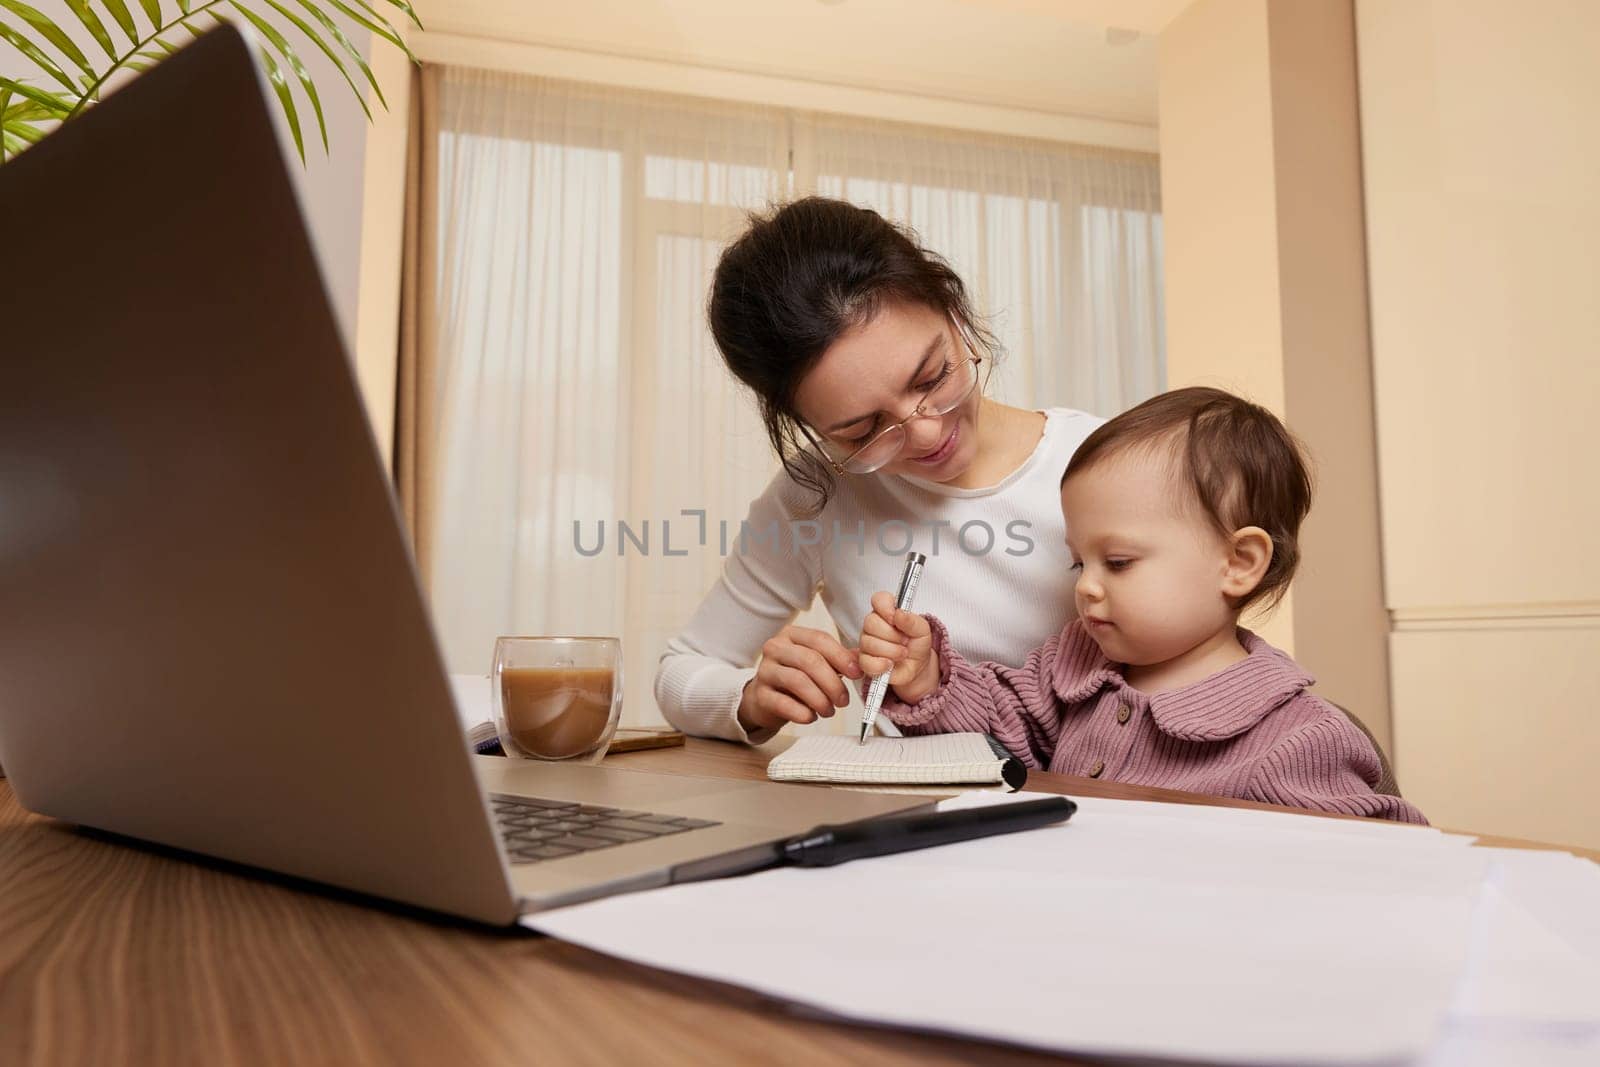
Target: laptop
212 636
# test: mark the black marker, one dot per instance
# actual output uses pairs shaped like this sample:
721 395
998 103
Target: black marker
826 846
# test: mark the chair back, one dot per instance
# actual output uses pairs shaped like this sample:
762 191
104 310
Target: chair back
1386 783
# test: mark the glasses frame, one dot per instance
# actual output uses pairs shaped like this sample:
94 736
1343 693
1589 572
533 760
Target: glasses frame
918 412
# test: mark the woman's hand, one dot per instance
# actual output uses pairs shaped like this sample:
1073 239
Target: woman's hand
797 680
900 642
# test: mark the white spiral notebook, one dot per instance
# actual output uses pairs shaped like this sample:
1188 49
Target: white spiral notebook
938 759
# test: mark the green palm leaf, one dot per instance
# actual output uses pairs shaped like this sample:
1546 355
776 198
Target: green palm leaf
26 110
280 85
47 29
270 32
382 27
18 121
119 11
31 50
402 5
311 34
23 111
92 23
349 47
58 105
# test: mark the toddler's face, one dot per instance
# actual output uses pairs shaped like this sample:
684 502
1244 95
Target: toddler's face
1150 567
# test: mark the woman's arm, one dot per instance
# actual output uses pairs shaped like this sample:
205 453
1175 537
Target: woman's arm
1014 704
708 674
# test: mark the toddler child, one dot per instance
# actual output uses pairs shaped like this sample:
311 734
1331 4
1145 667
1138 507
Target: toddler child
1180 514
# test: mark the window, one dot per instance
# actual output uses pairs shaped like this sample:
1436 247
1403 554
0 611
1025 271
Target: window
578 386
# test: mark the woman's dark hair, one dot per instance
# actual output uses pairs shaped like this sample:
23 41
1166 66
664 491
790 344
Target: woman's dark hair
798 278
1238 463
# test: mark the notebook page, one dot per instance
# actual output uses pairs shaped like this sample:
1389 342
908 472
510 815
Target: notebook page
932 760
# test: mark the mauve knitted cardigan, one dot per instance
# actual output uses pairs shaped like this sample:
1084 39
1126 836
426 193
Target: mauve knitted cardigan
1250 731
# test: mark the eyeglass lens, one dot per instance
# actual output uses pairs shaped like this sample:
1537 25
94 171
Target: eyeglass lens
945 397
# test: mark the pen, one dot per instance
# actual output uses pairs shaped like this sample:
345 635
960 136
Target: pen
880 685
828 845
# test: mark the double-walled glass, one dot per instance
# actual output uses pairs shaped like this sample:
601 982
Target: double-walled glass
557 698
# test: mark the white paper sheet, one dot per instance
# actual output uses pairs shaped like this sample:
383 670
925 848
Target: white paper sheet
1244 818
1530 996
1127 931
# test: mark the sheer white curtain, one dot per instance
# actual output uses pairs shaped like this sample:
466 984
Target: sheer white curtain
577 385
1061 243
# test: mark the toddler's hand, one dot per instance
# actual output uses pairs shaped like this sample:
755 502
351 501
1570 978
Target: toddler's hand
900 642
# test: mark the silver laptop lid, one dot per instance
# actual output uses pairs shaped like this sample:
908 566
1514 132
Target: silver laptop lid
211 633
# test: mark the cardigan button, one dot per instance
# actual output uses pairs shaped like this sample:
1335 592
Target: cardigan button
1098 768
1124 713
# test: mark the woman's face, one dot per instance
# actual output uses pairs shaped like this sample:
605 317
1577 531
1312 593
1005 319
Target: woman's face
875 374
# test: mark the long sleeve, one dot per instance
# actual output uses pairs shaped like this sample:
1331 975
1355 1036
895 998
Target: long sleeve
1014 704
766 580
1005 540
1327 766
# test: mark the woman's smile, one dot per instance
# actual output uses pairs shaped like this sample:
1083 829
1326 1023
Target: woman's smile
945 450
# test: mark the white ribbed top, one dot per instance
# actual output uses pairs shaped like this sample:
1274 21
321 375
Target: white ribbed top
997 573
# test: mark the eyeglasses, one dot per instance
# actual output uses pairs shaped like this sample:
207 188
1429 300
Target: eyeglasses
946 394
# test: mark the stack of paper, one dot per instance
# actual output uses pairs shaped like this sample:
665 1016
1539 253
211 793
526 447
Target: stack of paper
1162 930
1531 992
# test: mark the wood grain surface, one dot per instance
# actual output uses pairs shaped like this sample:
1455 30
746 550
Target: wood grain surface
113 952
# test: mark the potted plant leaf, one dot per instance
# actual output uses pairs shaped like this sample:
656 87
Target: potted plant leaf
73 73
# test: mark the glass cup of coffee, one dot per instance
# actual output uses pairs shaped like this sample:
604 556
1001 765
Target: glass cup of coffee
557 698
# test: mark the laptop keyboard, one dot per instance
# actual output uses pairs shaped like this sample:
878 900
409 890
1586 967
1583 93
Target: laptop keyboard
534 829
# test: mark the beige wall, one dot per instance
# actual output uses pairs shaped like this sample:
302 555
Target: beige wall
1047 55
1266 290
1482 157
383 190
686 74
1339 618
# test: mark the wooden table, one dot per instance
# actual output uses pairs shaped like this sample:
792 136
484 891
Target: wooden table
117 954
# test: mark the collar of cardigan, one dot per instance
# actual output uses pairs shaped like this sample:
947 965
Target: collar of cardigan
1224 705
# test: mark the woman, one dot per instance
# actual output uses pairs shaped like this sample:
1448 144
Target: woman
868 364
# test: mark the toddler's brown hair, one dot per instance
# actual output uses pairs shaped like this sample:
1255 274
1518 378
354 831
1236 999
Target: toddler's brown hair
1241 465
